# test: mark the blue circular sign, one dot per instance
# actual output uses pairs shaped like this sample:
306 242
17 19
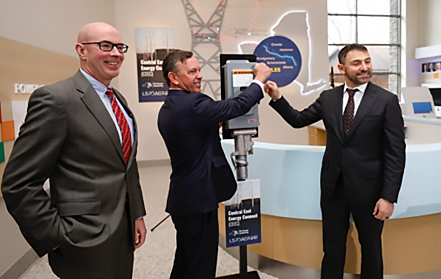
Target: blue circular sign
283 57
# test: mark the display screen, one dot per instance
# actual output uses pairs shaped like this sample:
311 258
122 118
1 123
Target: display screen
436 95
422 107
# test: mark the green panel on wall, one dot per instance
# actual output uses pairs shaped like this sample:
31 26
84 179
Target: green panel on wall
2 152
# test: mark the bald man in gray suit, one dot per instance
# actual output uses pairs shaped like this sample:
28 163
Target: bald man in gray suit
73 136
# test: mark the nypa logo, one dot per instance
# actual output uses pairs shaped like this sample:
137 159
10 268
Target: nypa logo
149 84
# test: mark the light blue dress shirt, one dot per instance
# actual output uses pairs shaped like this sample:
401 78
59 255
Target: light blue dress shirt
101 90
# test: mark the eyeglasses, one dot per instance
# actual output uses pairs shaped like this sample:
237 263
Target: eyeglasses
108 46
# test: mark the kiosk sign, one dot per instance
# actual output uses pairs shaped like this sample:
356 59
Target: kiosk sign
242 214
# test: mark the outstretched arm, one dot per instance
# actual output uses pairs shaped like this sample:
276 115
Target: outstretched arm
295 118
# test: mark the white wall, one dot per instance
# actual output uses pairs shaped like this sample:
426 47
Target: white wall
421 21
132 14
410 74
429 22
51 24
12 244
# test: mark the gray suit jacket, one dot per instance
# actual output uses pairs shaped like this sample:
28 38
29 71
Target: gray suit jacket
69 137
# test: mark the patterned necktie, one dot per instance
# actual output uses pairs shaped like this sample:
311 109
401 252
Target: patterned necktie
348 115
122 122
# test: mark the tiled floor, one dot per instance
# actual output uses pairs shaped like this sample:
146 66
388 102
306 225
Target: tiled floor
154 259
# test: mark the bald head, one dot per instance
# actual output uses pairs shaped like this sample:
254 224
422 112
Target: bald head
103 65
89 31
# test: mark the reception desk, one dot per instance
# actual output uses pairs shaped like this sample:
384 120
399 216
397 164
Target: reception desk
291 218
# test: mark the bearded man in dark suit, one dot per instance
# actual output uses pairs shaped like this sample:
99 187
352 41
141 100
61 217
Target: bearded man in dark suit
363 164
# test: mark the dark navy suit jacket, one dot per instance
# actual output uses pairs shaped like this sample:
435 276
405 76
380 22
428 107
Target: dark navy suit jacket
189 125
371 157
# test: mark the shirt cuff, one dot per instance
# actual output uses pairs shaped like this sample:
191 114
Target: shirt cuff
272 100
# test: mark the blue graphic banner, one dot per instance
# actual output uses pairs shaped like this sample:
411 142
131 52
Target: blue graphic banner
283 57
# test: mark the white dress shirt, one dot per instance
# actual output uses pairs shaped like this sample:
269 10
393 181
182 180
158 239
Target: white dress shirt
357 97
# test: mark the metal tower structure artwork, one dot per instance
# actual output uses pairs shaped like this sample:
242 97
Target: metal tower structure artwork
206 45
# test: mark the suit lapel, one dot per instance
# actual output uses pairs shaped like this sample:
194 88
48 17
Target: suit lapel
92 101
368 100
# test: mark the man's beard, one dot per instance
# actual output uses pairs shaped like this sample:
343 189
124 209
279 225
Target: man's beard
356 80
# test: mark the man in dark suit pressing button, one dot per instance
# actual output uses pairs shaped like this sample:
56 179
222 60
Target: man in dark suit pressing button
363 164
201 177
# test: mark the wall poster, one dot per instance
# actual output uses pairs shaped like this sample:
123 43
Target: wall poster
151 47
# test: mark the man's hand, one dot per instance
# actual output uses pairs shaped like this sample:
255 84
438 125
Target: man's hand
272 90
262 72
383 209
140 233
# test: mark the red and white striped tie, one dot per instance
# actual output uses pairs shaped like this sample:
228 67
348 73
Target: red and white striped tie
122 122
